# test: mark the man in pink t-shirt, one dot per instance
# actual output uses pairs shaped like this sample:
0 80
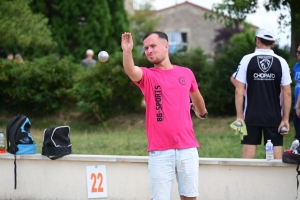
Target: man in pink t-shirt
167 88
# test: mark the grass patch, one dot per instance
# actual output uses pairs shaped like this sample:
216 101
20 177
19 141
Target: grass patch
125 135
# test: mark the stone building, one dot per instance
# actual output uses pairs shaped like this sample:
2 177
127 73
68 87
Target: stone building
129 6
186 26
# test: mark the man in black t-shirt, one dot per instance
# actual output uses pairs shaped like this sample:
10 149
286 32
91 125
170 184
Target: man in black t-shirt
265 76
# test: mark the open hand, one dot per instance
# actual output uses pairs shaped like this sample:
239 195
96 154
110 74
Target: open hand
127 43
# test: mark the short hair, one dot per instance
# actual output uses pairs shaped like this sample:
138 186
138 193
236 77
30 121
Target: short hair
18 56
160 34
89 52
266 42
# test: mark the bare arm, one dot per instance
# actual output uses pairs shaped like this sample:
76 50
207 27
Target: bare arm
233 81
287 101
239 100
134 72
281 99
198 101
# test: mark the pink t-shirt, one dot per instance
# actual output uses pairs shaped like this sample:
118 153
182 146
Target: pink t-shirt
168 119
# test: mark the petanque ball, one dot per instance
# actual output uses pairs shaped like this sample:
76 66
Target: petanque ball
103 56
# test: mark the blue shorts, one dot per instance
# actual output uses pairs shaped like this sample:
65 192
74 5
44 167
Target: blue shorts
165 165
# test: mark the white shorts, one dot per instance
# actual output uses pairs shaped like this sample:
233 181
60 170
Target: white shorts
164 165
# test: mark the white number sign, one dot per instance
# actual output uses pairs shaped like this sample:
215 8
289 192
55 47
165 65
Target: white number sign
96 181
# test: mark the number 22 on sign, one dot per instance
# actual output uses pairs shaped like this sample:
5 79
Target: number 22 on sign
96 181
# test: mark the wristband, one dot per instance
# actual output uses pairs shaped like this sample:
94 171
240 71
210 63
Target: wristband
203 116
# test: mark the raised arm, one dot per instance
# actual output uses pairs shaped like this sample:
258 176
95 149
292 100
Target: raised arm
134 72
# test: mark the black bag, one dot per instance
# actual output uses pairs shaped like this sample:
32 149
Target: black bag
57 142
19 140
293 159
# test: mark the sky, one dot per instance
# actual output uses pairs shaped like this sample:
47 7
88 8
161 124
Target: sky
261 18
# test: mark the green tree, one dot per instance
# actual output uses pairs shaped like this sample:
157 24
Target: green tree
238 10
120 21
39 88
220 96
81 25
20 29
105 90
143 21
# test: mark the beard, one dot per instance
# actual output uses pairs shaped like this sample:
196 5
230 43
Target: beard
157 60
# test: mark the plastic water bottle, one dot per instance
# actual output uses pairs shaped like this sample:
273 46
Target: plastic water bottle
2 144
294 146
269 151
